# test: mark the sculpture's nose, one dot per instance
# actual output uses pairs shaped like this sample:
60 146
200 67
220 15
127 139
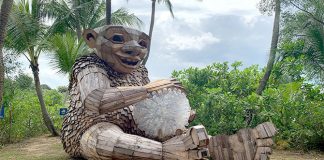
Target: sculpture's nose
132 48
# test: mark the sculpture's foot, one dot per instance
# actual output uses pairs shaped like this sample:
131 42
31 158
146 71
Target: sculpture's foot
247 144
190 145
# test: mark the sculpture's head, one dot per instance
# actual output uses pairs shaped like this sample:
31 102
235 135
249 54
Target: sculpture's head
122 48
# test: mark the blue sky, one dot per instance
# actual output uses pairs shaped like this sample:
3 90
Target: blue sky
201 33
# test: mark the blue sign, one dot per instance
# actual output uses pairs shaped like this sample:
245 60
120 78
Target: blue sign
63 111
2 112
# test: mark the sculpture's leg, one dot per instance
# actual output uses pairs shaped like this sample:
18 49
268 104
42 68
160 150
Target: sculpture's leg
108 141
247 144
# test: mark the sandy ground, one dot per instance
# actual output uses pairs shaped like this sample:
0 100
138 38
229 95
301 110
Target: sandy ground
50 148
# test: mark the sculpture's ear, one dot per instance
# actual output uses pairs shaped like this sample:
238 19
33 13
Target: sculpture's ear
90 36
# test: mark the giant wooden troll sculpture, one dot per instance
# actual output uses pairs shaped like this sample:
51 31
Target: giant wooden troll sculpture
116 113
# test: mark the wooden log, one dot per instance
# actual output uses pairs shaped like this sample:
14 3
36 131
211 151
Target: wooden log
262 153
264 142
247 144
266 130
195 137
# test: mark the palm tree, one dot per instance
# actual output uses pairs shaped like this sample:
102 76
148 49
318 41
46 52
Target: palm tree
27 36
169 6
108 12
4 14
84 14
273 48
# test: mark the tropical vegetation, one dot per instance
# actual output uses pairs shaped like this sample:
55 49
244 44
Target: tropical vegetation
226 96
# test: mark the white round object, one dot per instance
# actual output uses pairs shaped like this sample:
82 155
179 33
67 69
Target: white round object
162 114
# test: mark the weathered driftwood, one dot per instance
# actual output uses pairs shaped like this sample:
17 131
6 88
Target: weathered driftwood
247 144
100 124
108 141
104 87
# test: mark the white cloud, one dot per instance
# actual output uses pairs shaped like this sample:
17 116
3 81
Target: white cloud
47 74
249 20
190 42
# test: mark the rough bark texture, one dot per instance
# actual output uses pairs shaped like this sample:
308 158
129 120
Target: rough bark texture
4 15
108 12
46 118
151 30
273 49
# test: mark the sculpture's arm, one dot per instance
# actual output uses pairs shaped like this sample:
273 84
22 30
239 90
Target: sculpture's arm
99 97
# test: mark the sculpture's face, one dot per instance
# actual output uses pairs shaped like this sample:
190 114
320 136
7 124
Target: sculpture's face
122 48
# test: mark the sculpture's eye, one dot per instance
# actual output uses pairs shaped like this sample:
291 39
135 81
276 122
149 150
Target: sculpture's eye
142 43
117 38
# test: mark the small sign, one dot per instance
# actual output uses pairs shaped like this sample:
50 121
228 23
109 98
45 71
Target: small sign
2 112
63 111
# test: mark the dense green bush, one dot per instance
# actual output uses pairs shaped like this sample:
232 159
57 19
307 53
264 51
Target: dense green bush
22 107
222 94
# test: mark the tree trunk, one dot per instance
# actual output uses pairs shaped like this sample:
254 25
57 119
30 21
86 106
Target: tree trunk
151 30
108 12
77 18
4 15
273 49
46 118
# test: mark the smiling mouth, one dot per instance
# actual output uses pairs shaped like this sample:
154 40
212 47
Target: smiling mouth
130 62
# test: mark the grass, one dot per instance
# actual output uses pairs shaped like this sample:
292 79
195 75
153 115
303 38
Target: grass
50 148
39 148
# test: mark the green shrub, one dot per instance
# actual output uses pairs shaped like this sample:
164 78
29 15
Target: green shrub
221 94
24 111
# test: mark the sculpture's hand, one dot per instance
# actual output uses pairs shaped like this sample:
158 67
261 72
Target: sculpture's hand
164 83
250 144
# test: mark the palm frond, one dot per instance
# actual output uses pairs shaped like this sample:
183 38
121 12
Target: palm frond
314 51
66 49
122 17
22 30
168 5
63 14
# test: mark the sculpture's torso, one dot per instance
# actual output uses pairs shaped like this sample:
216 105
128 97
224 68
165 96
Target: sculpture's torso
78 119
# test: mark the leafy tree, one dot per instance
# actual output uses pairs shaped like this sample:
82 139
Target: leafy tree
27 36
45 87
62 89
265 5
303 37
11 65
220 93
4 15
23 116
24 81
